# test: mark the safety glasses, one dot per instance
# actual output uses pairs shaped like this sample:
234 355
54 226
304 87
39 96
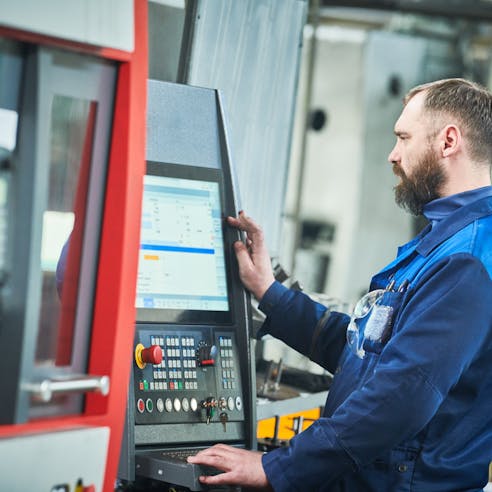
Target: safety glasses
355 334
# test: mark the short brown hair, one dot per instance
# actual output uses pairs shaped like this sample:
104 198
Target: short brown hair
470 103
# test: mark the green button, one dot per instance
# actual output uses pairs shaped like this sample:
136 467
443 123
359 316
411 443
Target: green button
149 404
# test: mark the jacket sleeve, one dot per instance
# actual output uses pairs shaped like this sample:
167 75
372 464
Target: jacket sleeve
303 324
444 324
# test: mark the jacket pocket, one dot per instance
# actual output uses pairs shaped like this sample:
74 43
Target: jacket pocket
378 325
397 469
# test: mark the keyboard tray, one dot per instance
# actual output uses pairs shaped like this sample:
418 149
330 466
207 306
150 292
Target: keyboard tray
172 468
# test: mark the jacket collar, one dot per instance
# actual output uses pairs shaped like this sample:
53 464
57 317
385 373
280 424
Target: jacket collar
428 238
454 222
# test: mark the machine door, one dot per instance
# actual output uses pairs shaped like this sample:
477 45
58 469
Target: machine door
55 122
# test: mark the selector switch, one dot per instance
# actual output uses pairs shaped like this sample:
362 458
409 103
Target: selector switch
206 354
149 355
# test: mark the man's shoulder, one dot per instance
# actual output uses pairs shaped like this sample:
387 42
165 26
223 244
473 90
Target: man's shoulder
474 240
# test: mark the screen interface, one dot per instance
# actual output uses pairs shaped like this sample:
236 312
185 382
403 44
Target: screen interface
181 259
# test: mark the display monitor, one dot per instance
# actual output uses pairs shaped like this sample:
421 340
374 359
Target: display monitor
182 270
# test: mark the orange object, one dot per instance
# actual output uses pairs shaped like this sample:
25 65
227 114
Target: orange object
266 428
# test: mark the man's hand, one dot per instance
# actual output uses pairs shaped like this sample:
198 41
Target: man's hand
255 268
240 467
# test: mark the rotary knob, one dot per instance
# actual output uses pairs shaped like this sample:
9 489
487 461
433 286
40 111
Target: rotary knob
149 355
206 354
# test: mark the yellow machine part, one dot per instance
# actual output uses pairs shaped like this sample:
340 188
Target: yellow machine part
266 428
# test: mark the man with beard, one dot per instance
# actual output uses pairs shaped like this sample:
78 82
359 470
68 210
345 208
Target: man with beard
410 405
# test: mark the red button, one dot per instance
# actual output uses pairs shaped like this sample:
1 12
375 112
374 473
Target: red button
152 354
141 405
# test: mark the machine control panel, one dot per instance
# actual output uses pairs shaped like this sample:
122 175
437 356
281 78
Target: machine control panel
191 382
187 376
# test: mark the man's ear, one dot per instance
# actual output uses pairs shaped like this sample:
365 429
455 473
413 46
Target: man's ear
451 139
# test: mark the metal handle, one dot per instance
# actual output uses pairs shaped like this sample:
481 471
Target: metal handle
77 383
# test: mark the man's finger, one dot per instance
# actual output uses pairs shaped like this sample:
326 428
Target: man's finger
232 221
220 479
242 254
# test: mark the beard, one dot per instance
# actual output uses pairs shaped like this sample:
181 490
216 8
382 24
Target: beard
422 185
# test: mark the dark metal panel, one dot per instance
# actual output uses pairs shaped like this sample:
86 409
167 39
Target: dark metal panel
471 9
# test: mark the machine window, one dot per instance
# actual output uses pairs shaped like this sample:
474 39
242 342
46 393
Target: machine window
71 142
8 137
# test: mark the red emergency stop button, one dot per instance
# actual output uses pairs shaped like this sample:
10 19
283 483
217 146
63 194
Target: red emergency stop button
149 355
152 355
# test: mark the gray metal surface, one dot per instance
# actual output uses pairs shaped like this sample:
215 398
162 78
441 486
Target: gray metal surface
10 74
250 50
172 110
38 463
199 432
165 33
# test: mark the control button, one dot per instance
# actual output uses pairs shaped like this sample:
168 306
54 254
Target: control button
150 405
168 404
194 404
160 405
140 405
149 355
239 403
177 404
206 354
185 404
230 403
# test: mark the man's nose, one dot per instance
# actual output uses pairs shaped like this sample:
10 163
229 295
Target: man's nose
393 156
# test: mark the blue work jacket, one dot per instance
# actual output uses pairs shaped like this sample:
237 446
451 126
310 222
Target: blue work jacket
415 414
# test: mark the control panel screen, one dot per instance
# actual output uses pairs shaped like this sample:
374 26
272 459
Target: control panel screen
182 267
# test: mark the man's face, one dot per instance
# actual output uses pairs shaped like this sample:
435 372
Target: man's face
415 160
423 183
